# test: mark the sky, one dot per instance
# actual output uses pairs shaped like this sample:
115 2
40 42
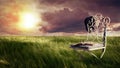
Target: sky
56 15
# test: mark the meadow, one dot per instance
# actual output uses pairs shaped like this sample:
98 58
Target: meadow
54 52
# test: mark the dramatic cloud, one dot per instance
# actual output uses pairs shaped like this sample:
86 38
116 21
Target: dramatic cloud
58 15
64 21
68 15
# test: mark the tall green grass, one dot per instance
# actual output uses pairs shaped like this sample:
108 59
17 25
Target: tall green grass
54 52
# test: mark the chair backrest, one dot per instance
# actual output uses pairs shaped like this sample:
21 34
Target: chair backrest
99 28
106 22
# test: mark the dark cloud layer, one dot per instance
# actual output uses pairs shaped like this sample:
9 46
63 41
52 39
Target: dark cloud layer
64 20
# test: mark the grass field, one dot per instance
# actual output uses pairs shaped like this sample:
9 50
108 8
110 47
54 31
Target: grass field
54 52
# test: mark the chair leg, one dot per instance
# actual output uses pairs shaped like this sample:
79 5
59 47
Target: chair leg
89 52
103 52
94 55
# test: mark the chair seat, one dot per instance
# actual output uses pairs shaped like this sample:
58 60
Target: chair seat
96 46
88 46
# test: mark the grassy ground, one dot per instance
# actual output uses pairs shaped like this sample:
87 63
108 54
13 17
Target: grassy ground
54 52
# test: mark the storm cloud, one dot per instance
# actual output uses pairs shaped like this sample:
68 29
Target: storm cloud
70 14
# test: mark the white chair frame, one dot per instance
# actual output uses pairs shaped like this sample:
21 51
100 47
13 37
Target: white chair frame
95 46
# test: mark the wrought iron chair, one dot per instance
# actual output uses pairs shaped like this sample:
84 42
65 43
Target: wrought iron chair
91 46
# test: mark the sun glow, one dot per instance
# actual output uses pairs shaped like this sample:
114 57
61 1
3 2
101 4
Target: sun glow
28 20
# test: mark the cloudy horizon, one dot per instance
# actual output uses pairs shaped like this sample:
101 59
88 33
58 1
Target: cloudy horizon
65 16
